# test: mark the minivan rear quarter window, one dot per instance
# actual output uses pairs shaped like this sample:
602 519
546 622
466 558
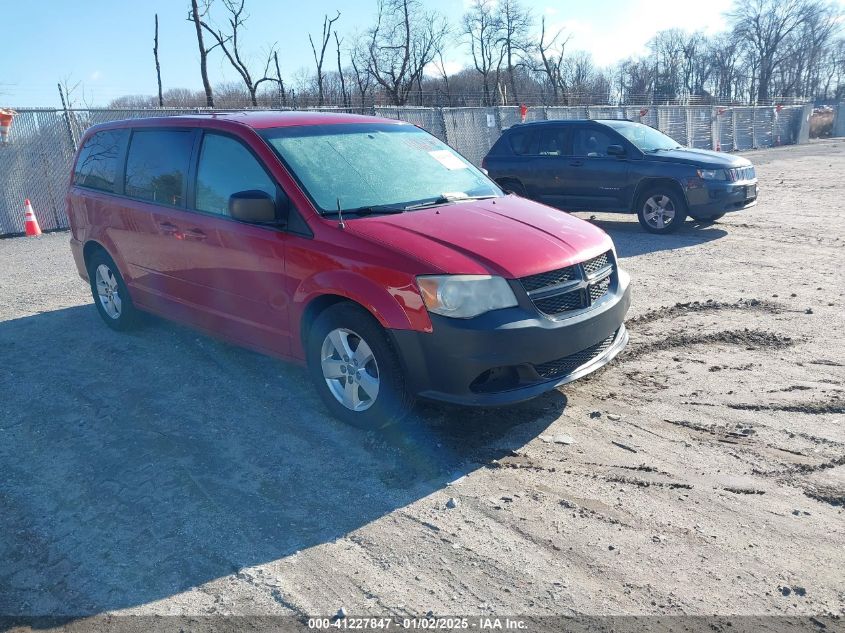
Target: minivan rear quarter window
96 167
157 165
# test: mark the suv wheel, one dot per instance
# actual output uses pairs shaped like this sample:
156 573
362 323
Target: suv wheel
110 293
661 210
355 369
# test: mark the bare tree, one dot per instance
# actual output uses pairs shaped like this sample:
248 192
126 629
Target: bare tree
359 57
551 63
440 65
765 24
229 44
482 26
158 66
343 94
318 59
194 16
280 84
516 23
724 51
401 44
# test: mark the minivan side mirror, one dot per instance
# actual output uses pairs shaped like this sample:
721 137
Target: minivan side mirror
615 150
253 206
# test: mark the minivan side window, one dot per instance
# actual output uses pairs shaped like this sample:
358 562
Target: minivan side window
96 167
227 167
157 165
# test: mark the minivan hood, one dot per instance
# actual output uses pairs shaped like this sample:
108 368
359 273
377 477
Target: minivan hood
699 158
509 236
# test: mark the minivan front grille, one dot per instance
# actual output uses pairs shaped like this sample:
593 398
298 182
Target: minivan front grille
568 364
738 174
551 278
572 288
594 265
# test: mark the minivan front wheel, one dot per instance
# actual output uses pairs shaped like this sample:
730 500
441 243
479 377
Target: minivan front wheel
661 210
111 296
354 368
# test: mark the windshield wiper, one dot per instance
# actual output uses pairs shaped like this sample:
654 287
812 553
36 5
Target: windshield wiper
444 200
367 210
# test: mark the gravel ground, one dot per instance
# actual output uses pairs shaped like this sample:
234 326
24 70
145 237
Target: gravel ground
163 472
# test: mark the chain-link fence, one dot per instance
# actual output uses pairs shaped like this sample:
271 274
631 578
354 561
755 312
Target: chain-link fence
35 162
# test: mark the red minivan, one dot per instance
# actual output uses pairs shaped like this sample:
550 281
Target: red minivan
363 247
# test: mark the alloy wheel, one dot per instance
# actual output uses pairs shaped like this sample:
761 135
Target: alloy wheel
108 291
350 369
659 211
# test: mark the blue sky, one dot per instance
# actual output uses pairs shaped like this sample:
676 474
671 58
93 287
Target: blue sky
107 45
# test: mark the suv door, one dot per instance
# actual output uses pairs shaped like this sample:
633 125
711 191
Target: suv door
596 180
552 163
234 272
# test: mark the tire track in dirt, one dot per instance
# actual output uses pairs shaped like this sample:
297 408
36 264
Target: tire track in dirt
750 339
832 405
710 305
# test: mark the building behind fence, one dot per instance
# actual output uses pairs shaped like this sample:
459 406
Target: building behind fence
35 162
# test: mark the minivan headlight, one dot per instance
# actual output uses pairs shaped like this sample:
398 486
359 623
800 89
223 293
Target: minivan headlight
712 174
465 296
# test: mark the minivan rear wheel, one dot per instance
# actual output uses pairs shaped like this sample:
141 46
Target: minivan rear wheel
111 296
661 210
355 369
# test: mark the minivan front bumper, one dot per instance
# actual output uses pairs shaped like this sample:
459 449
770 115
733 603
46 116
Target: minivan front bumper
512 355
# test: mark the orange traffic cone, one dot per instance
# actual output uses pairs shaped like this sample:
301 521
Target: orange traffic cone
30 221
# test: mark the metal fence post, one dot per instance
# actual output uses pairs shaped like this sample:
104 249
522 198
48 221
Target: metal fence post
733 126
754 141
449 141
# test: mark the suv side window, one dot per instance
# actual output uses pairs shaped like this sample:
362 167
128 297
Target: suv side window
227 167
96 167
553 142
157 165
520 141
592 142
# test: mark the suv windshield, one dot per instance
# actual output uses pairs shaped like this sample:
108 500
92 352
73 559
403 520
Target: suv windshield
376 167
646 138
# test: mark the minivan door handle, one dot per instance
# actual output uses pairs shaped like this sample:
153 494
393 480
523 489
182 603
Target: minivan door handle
576 163
195 234
168 228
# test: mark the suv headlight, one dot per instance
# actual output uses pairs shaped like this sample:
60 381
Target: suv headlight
465 296
712 174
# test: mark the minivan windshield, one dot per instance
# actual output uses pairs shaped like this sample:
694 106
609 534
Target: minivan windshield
646 138
376 167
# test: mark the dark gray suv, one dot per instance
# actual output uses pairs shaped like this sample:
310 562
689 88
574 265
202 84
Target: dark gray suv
612 165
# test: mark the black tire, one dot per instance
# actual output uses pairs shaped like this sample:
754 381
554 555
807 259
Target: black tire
392 402
515 187
127 316
710 219
678 205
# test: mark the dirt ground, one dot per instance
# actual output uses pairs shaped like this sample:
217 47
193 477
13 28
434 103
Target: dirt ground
703 472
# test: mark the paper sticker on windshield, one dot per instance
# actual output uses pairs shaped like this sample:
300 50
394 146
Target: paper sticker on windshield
448 159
